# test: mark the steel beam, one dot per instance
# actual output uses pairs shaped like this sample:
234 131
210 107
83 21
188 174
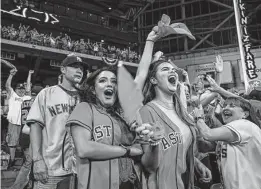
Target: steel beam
207 32
171 6
251 13
207 41
215 29
140 12
37 67
183 16
221 4
193 17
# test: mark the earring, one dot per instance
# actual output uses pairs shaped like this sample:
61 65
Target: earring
153 81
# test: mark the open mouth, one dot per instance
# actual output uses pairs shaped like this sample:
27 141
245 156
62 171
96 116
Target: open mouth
172 79
108 92
227 113
78 76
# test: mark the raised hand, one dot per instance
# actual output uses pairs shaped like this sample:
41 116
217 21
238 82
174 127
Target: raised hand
153 35
198 112
157 56
219 63
31 71
214 87
165 28
150 133
13 71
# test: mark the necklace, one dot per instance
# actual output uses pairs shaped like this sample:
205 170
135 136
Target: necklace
166 105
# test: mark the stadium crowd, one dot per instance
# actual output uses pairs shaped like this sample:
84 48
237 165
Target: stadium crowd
64 41
82 133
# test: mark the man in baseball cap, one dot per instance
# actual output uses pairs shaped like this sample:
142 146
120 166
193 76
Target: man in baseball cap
74 61
50 165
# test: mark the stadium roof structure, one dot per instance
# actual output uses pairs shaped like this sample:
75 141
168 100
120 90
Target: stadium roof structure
212 22
125 9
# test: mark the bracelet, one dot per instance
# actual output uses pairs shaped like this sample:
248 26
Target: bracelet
150 40
198 118
127 153
155 143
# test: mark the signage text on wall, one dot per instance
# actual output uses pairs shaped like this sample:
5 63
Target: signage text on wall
249 57
32 14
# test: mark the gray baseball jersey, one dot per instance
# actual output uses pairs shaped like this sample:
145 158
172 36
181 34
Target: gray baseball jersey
51 109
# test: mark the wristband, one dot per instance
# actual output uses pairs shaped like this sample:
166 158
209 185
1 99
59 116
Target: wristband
198 118
150 40
127 153
155 143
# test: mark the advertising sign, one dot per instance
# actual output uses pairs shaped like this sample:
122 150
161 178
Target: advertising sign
257 80
202 69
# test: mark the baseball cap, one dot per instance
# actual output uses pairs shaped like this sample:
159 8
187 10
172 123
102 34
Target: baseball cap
36 89
19 86
72 59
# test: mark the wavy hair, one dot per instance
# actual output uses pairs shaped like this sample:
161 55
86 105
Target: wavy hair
149 93
87 93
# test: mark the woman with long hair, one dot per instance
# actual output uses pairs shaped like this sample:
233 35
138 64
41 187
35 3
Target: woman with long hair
170 162
101 136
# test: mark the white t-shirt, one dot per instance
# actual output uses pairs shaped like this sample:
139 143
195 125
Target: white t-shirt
240 160
14 103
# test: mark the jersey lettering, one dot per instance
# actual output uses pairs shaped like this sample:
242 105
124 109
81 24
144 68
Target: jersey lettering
175 138
224 151
98 132
101 131
107 127
25 107
24 114
165 143
172 139
59 109
18 99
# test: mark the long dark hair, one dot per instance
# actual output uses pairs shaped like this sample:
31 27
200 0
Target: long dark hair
87 93
149 93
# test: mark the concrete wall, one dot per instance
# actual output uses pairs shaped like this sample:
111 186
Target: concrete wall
228 56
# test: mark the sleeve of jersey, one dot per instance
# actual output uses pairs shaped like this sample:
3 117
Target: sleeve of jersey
145 115
243 130
81 116
37 111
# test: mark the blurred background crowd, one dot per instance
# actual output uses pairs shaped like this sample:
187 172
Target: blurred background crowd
63 41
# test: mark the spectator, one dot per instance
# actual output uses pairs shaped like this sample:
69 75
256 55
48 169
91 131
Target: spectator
46 119
4 111
95 49
23 175
238 143
64 42
16 98
94 155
